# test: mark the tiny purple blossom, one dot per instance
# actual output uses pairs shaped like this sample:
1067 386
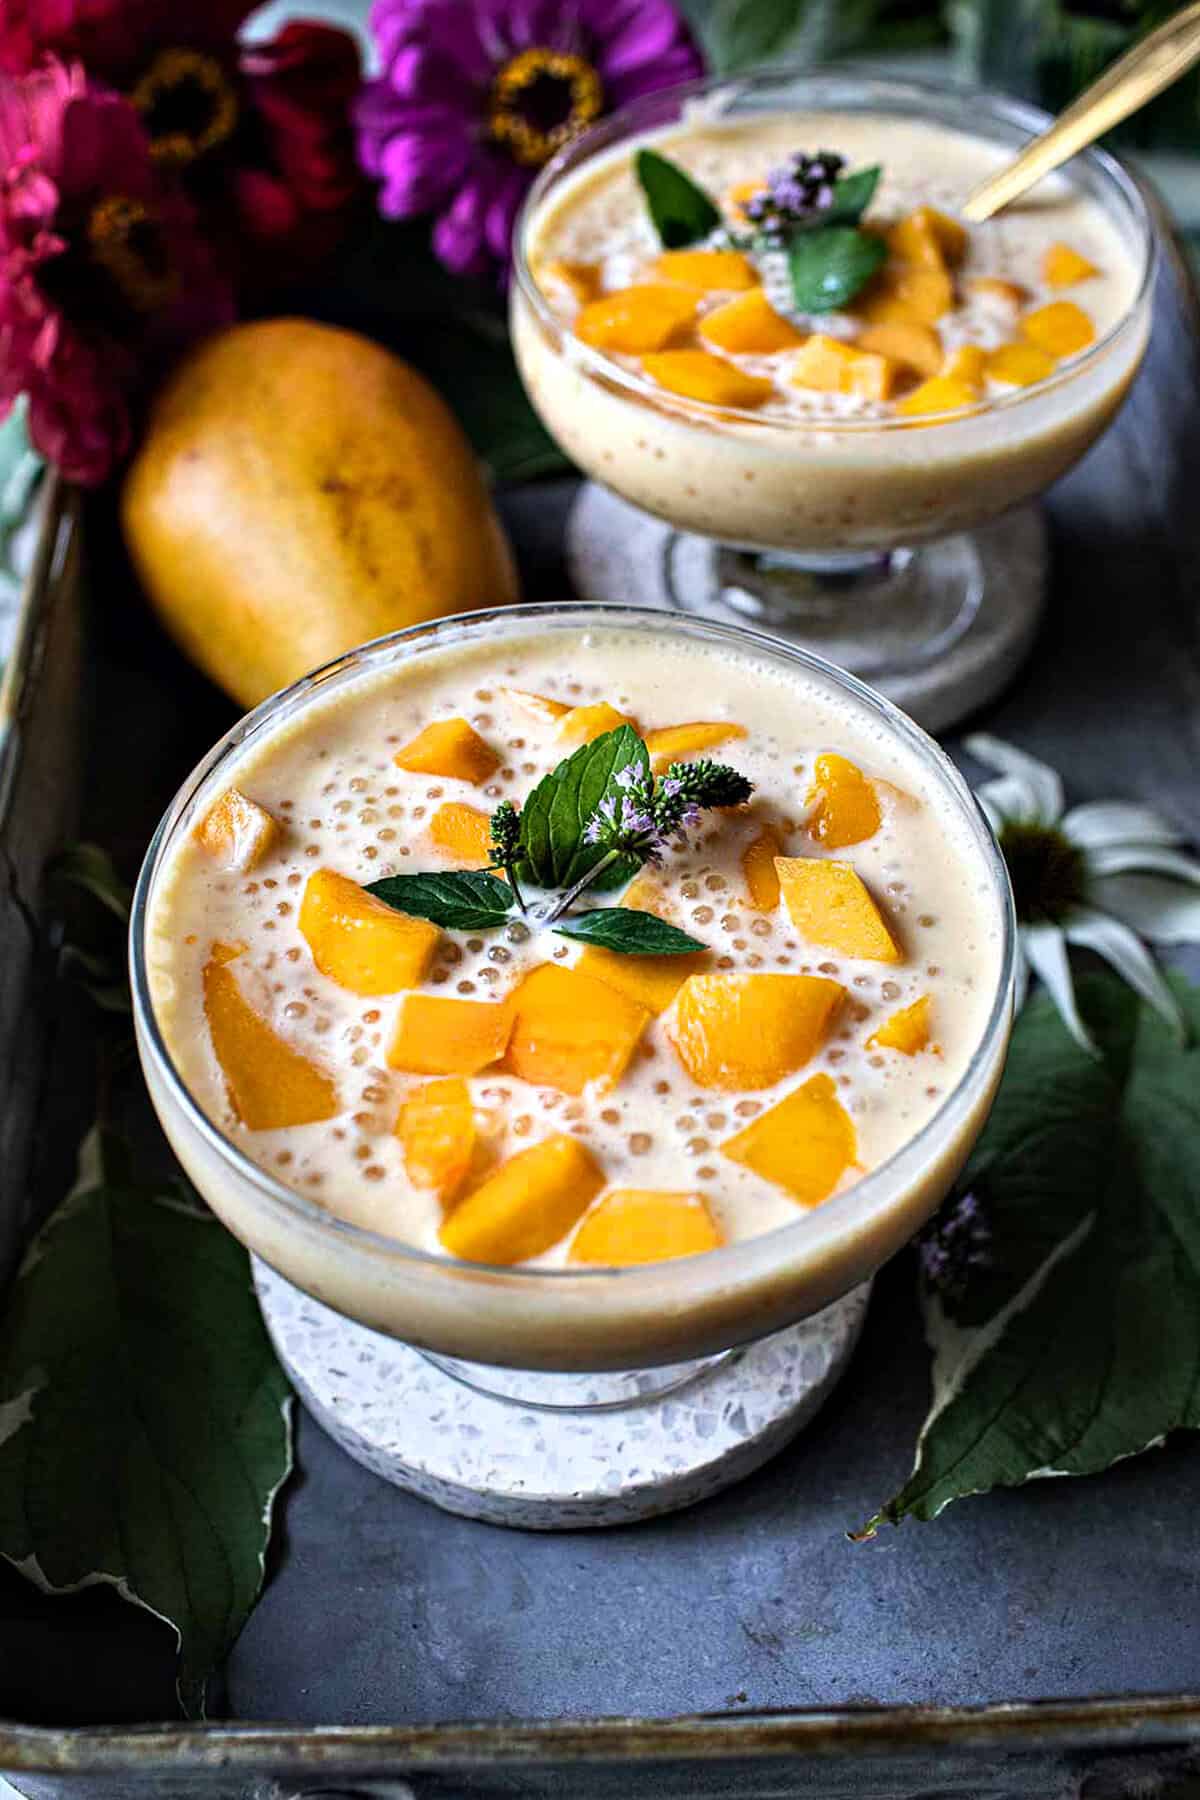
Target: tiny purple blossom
955 1243
796 193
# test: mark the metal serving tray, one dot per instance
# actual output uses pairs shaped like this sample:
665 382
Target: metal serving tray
915 1666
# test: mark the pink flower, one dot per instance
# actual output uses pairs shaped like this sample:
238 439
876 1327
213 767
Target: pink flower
102 273
477 94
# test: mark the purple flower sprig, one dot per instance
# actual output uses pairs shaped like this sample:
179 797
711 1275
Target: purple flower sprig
956 1242
797 193
640 820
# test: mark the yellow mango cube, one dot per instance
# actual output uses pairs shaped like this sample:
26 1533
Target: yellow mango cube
750 1031
436 1128
270 1085
1061 328
579 279
463 832
541 707
581 724
640 1225
671 743
527 1205
440 1036
943 393
907 294
831 367
452 748
749 326
1020 365
907 1030
709 270
695 375
651 981
570 1030
238 832
735 198
1063 267
358 941
805 1143
638 319
913 346
929 238
758 869
829 904
845 804
967 363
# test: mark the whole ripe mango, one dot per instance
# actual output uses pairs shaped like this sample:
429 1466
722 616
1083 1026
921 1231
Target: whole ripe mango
298 491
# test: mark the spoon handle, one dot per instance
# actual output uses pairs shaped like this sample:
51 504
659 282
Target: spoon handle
1151 65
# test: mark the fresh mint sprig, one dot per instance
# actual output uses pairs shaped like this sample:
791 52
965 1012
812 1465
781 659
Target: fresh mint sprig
680 210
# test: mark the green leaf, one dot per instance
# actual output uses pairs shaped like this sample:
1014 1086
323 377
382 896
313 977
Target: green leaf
1081 1344
681 212
828 266
851 196
89 867
742 33
555 815
632 933
144 1421
466 901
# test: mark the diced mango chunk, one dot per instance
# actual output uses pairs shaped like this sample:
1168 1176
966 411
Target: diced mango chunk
462 831
941 394
526 1205
1020 364
845 804
570 1030
1061 327
581 724
639 1225
928 238
359 942
708 270
906 1030
270 1085
1063 267
671 743
1009 294
804 1144
440 1036
652 981
749 326
829 904
436 1128
237 831
758 869
735 198
227 953
749 1031
538 706
905 293
831 367
695 375
452 748
967 363
913 346
638 319
580 279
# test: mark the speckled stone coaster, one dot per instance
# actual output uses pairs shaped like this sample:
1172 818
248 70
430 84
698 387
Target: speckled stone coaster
616 553
399 1414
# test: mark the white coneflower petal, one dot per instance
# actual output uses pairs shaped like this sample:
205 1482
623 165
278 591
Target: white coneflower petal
1162 910
1044 783
1009 798
1020 978
1143 859
1046 949
1125 952
1100 823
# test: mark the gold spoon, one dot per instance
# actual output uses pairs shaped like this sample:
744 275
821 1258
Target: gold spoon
1134 78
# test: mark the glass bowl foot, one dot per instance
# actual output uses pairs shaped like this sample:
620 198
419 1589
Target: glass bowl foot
555 1452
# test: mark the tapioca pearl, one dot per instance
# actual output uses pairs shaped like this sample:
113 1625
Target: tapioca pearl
267 925
702 915
716 1121
731 922
933 970
761 927
690 890
716 884
315 1179
357 785
283 1158
640 1142
662 1087
747 1109
295 1009
685 1122
311 850
611 1116
374 1094
251 887
889 991
697 1146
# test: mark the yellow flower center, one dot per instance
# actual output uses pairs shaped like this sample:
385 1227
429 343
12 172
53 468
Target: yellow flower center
126 242
541 99
187 104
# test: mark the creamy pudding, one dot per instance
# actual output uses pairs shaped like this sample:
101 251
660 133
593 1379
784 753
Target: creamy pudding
515 1097
972 368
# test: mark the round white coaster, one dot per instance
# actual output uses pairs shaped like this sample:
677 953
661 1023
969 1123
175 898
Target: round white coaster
400 1415
617 553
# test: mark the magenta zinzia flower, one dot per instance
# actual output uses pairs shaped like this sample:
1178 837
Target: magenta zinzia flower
476 95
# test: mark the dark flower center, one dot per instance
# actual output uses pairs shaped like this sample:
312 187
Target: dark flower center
126 241
187 103
1046 870
539 100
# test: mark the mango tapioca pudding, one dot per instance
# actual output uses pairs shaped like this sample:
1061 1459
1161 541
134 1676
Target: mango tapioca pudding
577 949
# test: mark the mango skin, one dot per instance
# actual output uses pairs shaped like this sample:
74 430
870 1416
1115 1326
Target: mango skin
300 490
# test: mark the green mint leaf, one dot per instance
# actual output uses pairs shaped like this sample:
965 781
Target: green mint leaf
828 266
681 212
148 1421
470 900
851 196
632 933
1078 1345
556 814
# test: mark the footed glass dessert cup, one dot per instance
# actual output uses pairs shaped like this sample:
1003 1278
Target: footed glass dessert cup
863 537
575 1337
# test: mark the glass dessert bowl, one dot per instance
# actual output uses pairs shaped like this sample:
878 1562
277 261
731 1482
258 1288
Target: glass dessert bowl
834 464
217 905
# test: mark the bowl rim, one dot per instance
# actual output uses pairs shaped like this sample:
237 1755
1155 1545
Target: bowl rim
298 1209
622 123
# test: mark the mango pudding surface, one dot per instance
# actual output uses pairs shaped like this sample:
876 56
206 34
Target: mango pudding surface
497 1092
